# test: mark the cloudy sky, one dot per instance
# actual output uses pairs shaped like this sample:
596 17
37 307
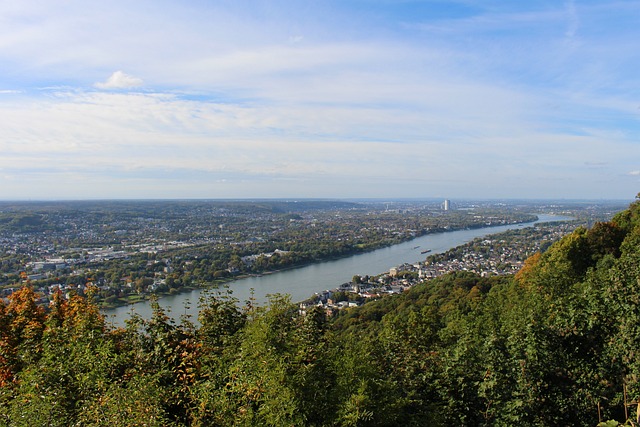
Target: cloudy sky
328 99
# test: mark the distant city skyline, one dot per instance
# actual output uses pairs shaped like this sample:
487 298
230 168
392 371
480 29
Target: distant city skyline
335 99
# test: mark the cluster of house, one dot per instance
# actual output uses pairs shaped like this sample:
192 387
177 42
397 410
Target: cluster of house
358 292
251 259
40 269
477 263
499 258
43 269
44 295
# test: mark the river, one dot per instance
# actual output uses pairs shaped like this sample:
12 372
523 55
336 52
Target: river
303 282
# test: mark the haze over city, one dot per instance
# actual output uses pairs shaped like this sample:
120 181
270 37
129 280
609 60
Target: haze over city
332 99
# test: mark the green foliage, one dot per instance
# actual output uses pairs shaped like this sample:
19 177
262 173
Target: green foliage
22 222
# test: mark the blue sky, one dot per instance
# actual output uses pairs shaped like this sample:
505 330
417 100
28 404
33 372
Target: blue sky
327 99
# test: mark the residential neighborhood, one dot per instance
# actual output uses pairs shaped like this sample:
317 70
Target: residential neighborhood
498 254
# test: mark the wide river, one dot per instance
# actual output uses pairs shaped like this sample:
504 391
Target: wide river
301 283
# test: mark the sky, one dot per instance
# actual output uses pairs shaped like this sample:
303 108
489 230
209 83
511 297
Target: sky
319 99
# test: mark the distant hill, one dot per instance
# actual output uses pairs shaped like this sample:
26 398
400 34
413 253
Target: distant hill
22 223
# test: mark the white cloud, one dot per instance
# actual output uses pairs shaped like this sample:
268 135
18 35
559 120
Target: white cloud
635 173
142 132
119 80
573 22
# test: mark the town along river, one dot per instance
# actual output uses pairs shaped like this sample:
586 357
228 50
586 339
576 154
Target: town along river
301 283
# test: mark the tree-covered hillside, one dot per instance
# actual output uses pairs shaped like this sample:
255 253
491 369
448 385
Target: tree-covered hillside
556 345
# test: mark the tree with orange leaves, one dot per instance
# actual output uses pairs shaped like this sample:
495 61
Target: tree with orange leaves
21 327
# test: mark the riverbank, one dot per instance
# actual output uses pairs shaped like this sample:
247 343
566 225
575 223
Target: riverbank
493 255
302 282
146 297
